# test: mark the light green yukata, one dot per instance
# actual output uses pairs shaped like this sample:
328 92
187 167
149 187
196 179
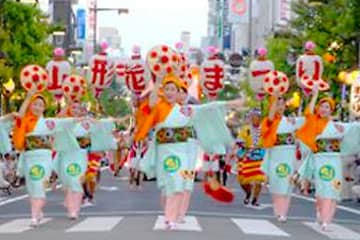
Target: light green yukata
5 141
173 164
36 165
325 166
71 166
279 161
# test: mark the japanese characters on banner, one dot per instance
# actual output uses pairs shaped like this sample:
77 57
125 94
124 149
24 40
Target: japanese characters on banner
162 60
212 77
309 69
276 82
34 78
74 87
58 69
102 72
355 97
120 70
258 70
136 73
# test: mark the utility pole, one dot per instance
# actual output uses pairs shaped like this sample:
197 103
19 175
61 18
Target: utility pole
250 27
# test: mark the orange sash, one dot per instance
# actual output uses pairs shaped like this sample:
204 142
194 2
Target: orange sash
269 131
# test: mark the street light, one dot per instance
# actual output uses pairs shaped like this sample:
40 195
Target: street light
59 37
95 9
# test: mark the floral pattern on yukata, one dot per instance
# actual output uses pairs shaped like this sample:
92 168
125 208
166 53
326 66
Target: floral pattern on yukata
37 142
174 135
285 139
328 145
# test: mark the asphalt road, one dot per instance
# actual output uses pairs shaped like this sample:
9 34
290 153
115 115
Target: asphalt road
125 214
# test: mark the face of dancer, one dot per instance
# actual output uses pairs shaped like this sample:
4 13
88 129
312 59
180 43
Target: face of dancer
255 119
76 110
182 96
325 110
37 107
171 92
280 106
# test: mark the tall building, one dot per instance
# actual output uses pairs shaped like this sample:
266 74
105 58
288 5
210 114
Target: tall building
61 12
185 38
255 22
111 36
244 25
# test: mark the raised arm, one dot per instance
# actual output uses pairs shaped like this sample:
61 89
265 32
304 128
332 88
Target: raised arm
154 97
26 103
272 111
315 94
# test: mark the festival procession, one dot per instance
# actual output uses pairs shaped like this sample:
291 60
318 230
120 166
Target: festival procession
262 143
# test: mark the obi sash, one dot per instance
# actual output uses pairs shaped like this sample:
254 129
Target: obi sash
328 145
174 135
38 142
285 139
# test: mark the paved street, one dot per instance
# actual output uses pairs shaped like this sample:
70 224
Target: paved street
125 214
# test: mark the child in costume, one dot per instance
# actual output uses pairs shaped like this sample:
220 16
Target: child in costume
321 139
36 137
101 140
250 175
171 154
277 132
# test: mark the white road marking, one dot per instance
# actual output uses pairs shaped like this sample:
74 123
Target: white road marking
19 225
259 227
22 197
96 224
190 224
347 209
335 231
108 188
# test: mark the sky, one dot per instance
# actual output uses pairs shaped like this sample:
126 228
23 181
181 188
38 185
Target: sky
153 22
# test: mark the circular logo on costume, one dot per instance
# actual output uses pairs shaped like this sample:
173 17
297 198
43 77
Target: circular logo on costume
283 170
172 164
73 170
37 172
327 173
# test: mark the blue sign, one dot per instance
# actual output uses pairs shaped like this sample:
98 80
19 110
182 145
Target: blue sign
81 23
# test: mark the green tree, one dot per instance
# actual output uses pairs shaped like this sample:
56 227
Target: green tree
323 22
24 34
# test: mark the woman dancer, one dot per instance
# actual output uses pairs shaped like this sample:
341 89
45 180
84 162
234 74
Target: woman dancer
32 136
321 138
170 154
71 166
277 132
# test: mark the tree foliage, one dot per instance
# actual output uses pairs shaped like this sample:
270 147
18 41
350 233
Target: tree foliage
24 34
323 22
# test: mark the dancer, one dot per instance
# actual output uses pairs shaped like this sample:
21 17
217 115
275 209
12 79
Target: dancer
169 155
71 166
277 132
31 136
6 123
250 175
321 138
138 148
